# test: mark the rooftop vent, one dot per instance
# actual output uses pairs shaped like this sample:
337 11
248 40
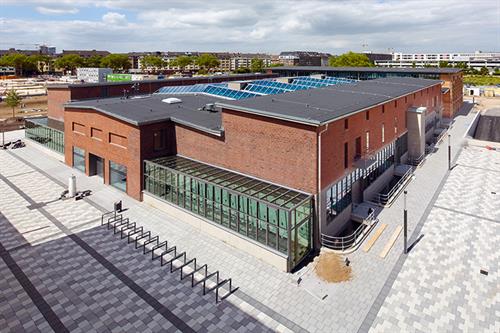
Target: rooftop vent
171 100
210 107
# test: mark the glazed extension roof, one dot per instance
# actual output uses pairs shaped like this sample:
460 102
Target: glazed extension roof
322 105
144 110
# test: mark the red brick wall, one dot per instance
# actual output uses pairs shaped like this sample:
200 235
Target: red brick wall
273 150
333 139
56 97
456 98
127 156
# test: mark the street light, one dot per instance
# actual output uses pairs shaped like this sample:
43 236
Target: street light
405 226
449 151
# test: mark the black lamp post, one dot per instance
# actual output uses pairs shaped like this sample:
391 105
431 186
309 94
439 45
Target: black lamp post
449 151
405 226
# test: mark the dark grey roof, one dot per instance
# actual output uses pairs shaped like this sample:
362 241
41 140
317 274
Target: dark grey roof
322 105
326 69
150 109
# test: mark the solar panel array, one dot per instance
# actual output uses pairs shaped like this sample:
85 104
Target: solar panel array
255 88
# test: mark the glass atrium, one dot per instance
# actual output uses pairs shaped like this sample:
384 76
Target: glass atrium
276 217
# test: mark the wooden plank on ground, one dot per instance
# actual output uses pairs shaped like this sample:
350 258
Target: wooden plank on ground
374 238
391 241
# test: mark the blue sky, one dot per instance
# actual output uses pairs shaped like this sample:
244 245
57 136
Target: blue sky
253 26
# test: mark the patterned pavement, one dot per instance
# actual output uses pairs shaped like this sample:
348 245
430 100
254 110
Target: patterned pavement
440 287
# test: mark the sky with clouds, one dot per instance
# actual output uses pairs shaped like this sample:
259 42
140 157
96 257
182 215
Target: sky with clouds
333 26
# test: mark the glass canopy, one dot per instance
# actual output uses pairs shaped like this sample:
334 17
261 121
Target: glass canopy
274 216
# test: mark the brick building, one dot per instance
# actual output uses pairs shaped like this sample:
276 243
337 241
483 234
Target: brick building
452 78
281 172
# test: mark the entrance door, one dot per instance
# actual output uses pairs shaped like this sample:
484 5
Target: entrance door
96 166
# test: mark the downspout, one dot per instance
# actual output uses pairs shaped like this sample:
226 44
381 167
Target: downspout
318 195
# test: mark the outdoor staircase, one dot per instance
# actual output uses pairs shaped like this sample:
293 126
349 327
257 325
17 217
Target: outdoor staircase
169 255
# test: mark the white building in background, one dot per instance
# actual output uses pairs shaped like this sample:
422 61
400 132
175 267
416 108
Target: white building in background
93 75
475 60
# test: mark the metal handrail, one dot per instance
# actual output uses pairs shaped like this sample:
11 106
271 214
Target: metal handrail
345 242
416 161
384 198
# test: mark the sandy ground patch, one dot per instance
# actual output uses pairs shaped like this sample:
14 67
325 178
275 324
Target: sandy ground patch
330 267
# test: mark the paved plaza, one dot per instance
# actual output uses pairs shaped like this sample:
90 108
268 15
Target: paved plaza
62 271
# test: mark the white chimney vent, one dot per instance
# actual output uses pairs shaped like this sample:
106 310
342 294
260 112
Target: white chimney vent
171 100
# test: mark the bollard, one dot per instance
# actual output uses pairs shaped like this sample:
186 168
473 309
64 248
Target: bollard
71 186
118 206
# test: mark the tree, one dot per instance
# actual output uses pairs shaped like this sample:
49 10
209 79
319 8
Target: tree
257 65
23 64
69 62
94 61
41 61
182 62
350 59
13 100
116 61
444 64
242 70
152 61
207 61
413 65
484 71
277 65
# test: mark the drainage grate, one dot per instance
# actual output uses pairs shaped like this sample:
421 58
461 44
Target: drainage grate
483 271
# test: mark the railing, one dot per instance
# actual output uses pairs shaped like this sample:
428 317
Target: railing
178 261
383 199
438 138
415 161
350 241
44 135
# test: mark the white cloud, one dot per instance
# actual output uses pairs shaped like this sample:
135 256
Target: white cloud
267 26
114 18
56 11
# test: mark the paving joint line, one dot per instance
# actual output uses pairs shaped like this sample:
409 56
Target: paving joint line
45 309
467 214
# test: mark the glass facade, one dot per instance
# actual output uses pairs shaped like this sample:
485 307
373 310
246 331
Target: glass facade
339 195
276 217
79 159
37 130
118 176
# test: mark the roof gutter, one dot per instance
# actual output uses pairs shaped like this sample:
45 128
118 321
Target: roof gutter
268 114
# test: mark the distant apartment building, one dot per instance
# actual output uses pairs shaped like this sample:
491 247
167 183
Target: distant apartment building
378 56
475 59
85 53
304 58
228 61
